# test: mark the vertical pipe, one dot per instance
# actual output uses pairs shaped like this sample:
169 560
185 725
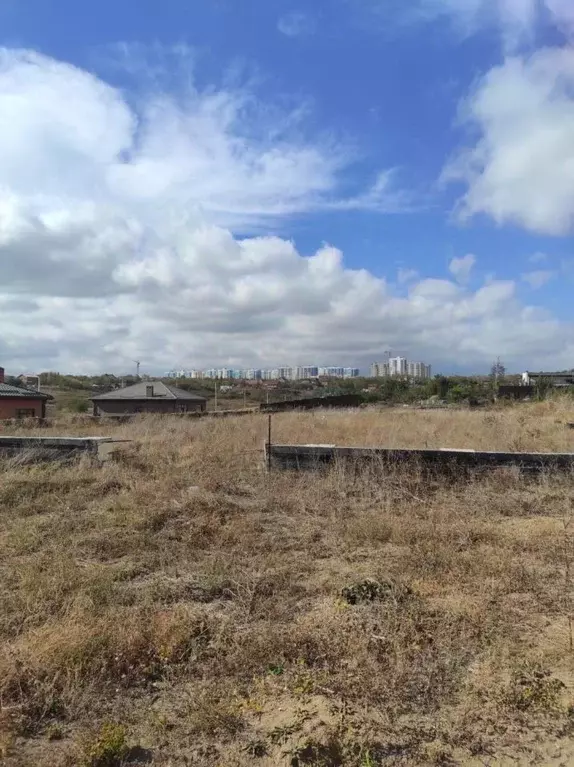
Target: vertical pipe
269 444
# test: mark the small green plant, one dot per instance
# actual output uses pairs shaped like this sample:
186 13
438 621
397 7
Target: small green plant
367 760
256 748
54 732
79 406
374 591
533 688
108 747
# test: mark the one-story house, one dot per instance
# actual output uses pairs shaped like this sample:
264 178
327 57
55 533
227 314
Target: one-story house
17 402
558 379
148 397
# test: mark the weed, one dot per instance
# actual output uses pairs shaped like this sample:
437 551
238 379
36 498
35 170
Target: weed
374 591
107 748
54 732
533 688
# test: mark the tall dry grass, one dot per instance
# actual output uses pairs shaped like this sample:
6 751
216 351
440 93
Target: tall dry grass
181 606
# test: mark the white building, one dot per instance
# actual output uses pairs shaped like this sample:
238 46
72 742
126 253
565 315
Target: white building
332 372
419 370
398 366
308 371
351 372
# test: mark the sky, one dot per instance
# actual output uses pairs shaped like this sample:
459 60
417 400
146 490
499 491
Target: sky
200 184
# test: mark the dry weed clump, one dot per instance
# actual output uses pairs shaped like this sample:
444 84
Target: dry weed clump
182 600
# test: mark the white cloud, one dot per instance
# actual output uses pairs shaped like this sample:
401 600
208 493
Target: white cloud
538 258
405 276
461 267
119 241
538 278
518 21
521 169
296 24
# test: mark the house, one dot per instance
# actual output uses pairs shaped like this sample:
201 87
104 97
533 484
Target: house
558 379
17 402
147 397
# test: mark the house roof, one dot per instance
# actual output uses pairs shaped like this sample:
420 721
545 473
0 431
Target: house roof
138 391
6 390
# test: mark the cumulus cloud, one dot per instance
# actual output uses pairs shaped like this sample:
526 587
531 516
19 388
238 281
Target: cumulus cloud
405 275
140 234
521 168
536 279
461 267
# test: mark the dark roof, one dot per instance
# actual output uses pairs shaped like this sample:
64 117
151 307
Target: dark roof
16 391
566 375
138 391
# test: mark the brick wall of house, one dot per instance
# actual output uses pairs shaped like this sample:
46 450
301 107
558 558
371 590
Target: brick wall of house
9 406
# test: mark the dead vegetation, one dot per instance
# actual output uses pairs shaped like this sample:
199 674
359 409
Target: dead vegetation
180 606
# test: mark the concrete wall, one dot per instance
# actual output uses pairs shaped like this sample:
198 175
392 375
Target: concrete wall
10 405
126 407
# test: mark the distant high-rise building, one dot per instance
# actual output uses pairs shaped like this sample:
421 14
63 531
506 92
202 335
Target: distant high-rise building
306 372
419 370
398 366
331 372
351 372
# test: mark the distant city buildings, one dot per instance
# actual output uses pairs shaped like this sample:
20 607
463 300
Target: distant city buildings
394 367
272 374
400 367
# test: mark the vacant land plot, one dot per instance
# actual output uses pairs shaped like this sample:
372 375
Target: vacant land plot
179 606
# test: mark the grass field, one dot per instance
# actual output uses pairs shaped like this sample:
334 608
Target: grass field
179 606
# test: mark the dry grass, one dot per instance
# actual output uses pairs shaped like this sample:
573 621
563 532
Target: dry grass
180 606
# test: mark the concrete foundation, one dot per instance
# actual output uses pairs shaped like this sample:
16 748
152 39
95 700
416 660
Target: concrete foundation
58 448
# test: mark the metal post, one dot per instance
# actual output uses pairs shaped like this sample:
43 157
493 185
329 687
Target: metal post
215 405
269 444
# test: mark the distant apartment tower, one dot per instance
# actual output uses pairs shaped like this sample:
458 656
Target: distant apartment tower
309 371
380 370
419 370
351 372
398 366
332 372
278 373
253 375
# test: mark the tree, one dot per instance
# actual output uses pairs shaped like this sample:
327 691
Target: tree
497 370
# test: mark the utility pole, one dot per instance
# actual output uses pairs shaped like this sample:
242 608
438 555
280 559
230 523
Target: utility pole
138 363
215 406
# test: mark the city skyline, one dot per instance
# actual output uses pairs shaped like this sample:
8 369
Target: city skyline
287 372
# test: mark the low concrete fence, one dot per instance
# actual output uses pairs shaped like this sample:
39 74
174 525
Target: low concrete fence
58 448
315 457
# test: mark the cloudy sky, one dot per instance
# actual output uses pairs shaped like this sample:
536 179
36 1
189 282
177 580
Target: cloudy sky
265 182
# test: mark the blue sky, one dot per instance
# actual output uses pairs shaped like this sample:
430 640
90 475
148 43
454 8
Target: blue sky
272 182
